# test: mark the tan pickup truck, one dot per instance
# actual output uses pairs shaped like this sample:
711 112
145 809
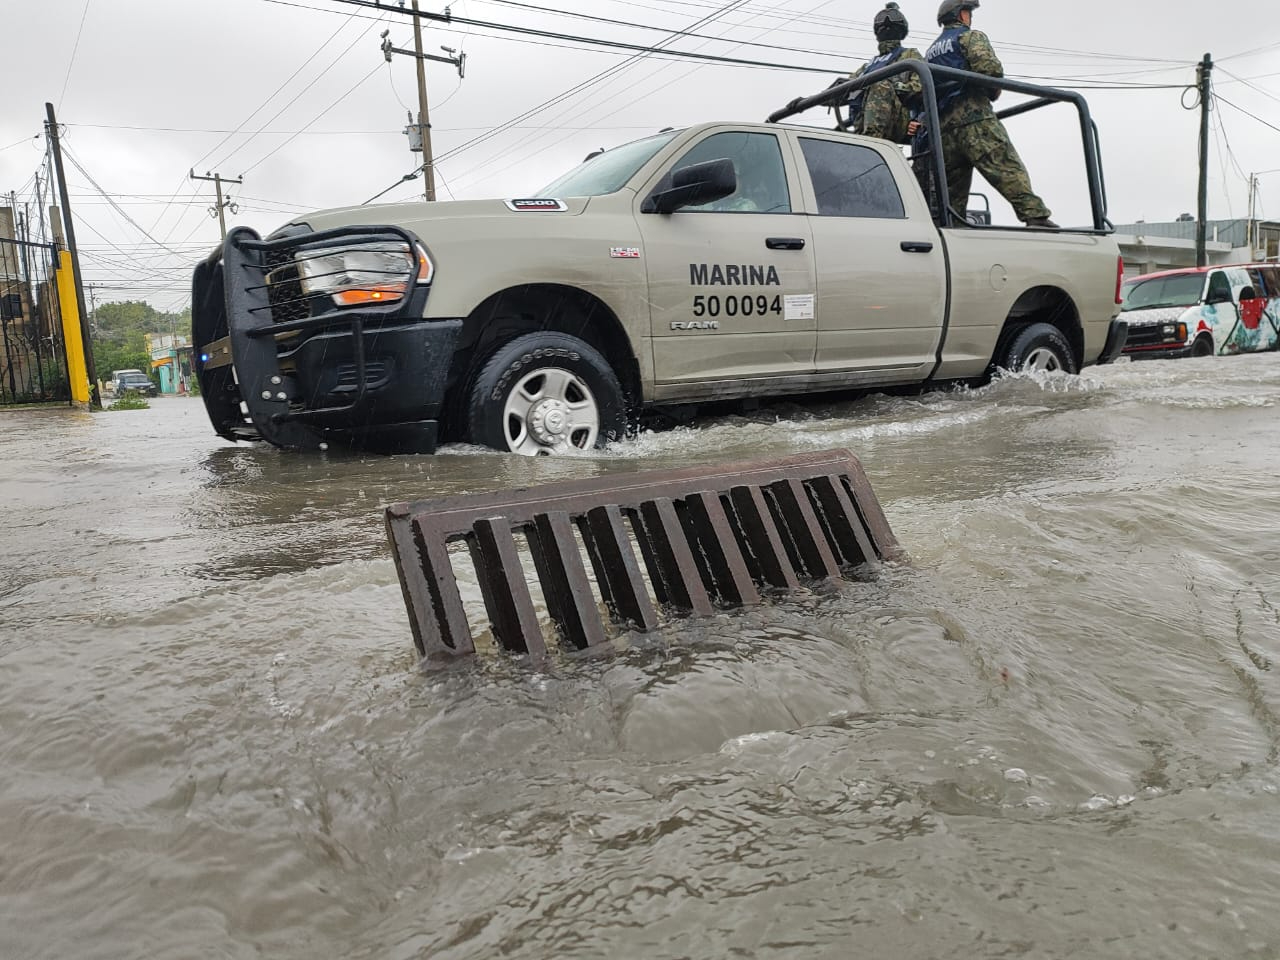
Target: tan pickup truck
718 262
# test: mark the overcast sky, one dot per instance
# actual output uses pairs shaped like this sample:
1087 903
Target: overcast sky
295 96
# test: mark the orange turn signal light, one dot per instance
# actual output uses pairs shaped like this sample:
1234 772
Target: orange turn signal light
352 298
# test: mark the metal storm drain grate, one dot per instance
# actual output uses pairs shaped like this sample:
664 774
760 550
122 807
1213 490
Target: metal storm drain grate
706 537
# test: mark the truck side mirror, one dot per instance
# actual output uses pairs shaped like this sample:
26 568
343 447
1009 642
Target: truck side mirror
695 185
1218 296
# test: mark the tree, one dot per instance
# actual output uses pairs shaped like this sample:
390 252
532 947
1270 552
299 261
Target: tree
120 334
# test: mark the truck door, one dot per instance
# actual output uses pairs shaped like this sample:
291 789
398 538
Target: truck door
880 263
731 283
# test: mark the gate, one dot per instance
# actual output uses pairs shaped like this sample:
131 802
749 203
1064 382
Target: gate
33 365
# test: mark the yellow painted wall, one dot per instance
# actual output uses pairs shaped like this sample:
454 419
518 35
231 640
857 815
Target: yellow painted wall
77 370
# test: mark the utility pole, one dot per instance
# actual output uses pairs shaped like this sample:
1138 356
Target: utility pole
424 114
1203 73
217 180
1253 198
424 117
68 225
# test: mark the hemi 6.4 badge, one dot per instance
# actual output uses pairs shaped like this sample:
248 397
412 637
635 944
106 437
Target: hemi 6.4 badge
537 205
625 253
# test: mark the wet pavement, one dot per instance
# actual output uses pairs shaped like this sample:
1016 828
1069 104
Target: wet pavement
1054 733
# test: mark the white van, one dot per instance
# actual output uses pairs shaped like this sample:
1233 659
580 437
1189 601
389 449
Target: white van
1203 311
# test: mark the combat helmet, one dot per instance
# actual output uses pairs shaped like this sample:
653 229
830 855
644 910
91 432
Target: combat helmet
891 25
949 12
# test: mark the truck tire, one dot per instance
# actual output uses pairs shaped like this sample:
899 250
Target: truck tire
545 393
1203 347
1038 347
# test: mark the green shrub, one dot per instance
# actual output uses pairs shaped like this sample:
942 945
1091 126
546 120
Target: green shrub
130 400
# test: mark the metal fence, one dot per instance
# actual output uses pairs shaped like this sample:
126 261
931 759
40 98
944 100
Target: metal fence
33 366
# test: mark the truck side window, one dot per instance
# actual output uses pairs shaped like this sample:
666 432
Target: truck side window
1219 288
851 181
757 159
1272 277
1257 281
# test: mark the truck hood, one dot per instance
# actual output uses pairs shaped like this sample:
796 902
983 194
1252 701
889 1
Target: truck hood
441 211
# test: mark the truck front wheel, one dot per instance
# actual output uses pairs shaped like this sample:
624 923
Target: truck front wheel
545 393
1038 347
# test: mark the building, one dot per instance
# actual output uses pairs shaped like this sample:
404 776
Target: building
171 359
1150 247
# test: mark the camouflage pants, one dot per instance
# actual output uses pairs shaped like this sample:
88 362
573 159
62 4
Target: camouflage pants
883 115
985 146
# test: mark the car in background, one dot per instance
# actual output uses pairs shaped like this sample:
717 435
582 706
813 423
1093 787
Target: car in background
134 380
1203 311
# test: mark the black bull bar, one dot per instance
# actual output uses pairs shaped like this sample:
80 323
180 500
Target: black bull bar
930 75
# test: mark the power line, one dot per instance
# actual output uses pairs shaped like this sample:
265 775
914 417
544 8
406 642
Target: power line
1253 86
555 35
351 46
360 83
115 206
74 50
559 98
218 146
1251 116
648 92
572 91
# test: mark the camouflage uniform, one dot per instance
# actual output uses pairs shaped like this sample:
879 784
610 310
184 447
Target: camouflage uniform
883 113
973 137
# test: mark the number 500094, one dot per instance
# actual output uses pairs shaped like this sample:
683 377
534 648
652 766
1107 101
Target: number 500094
745 305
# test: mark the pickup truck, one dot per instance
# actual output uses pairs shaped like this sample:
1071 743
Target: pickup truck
722 261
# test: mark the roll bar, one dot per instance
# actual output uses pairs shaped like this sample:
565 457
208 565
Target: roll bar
930 77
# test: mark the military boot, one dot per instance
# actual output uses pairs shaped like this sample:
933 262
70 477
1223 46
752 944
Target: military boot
1044 222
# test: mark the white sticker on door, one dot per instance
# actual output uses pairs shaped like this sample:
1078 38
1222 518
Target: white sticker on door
799 307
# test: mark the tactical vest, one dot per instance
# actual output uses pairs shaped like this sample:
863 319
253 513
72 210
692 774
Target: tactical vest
947 52
859 98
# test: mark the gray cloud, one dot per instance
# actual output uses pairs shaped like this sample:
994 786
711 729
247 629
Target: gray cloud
156 85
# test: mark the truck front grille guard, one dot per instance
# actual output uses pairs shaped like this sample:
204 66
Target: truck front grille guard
266 285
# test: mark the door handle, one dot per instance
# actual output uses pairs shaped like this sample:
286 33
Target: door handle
917 246
785 243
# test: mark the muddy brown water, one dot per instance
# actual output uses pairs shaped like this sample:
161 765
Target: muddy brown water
1055 733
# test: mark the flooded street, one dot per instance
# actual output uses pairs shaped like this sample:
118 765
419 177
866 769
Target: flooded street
1054 733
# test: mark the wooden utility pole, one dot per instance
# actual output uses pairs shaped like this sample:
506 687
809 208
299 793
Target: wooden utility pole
1203 73
424 108
68 225
217 180
424 117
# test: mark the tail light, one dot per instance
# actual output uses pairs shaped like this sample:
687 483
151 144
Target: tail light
1119 280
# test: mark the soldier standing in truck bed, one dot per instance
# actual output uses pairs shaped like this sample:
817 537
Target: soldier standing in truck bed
972 134
878 110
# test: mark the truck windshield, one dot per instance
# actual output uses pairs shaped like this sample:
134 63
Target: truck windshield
1179 290
608 172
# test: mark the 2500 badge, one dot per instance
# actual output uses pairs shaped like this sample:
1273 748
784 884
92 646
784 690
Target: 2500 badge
733 305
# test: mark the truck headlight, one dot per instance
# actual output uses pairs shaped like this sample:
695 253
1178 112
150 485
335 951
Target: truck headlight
364 273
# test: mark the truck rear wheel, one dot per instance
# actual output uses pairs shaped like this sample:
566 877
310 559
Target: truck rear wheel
545 393
1038 347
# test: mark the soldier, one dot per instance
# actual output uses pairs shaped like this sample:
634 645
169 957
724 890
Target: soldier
878 110
972 134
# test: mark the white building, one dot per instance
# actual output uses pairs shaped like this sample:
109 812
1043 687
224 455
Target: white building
1151 247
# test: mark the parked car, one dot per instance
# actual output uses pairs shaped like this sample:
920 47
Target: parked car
1203 311
134 380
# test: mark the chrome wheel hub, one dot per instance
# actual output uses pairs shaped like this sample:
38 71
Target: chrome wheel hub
550 410
1042 359
548 421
